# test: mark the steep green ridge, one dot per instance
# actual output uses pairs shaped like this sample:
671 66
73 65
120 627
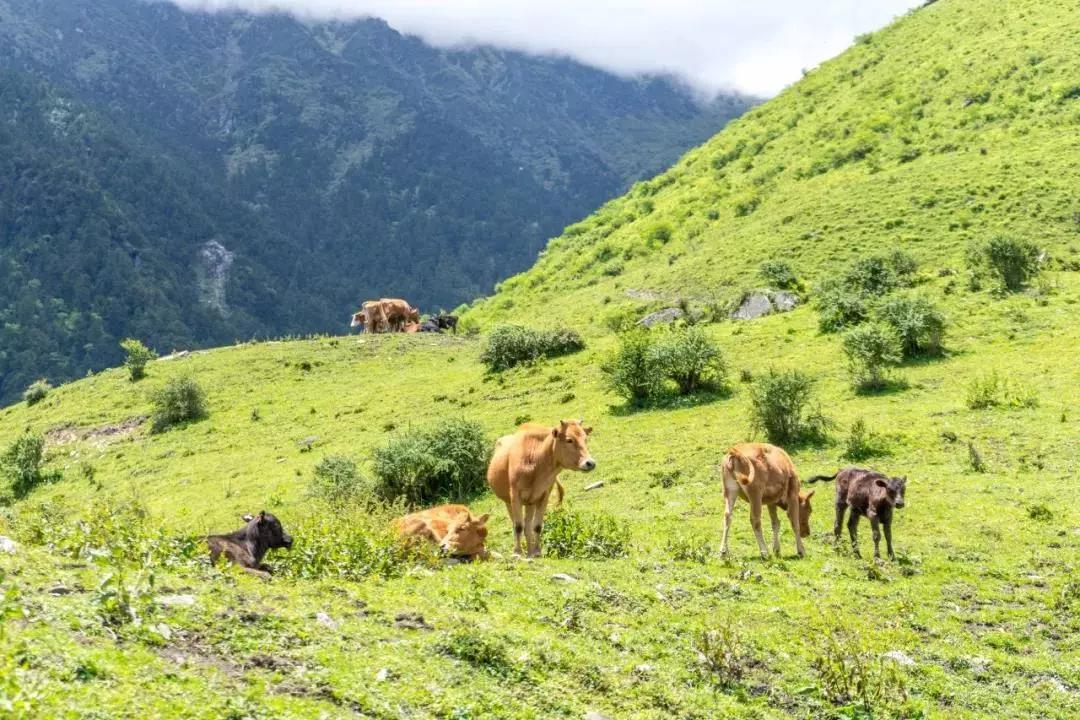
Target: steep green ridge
330 162
977 618
958 122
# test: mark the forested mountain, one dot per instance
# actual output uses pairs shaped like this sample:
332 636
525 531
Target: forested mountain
195 178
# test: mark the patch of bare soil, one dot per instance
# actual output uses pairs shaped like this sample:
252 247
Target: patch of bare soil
99 436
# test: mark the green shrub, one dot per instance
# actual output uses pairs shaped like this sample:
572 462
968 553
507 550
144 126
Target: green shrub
688 356
840 306
22 466
635 369
1010 262
180 400
138 356
845 301
781 406
779 274
37 392
337 482
447 461
510 345
862 443
917 321
992 390
852 676
593 536
871 349
481 650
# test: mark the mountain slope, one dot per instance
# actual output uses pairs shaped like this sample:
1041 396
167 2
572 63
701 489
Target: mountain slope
325 162
954 124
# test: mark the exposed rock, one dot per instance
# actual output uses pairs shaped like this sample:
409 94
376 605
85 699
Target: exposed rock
60 589
563 577
784 301
383 675
763 302
326 621
900 658
661 317
212 274
175 600
8 545
594 486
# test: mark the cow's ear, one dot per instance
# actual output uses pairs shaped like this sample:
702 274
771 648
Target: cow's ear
483 518
554 432
248 517
588 430
809 495
262 516
881 483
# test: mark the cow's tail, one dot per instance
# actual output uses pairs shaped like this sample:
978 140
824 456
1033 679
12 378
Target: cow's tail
825 478
559 492
729 467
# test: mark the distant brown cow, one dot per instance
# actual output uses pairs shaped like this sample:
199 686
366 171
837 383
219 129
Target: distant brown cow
398 312
525 467
371 316
867 493
764 475
452 527
247 546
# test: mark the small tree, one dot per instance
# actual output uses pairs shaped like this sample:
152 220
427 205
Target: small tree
1012 263
22 465
635 370
779 274
781 405
917 321
840 306
871 349
37 392
138 357
180 400
689 356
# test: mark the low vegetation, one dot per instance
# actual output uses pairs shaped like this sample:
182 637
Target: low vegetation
136 357
783 406
338 483
507 346
990 390
585 536
871 350
22 467
36 392
446 461
1010 263
650 363
180 400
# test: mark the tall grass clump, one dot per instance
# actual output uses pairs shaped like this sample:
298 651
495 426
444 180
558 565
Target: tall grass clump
507 346
180 400
991 390
136 357
1011 263
36 392
445 461
782 406
585 536
22 467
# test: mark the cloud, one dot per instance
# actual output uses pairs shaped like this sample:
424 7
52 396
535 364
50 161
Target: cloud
715 45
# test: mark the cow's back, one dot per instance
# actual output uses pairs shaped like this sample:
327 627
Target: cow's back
432 523
498 474
773 469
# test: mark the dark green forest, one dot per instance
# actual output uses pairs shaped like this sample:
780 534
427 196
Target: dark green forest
192 179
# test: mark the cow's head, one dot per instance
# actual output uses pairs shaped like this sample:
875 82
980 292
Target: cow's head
414 315
357 319
572 446
268 530
893 489
804 512
466 536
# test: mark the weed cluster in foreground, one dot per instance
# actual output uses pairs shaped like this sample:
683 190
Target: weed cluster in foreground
585 536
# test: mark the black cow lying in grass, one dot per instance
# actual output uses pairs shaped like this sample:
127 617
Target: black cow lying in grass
247 546
867 493
445 322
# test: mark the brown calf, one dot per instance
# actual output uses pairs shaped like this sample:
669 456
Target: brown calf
867 493
247 546
764 475
527 464
453 528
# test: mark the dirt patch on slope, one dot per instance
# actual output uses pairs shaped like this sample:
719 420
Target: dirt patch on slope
99 436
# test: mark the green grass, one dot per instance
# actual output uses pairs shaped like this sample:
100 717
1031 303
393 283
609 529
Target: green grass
983 597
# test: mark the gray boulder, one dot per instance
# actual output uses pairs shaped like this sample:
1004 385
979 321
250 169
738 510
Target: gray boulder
661 317
764 302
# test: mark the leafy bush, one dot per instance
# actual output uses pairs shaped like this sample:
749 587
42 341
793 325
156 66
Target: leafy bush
840 306
138 357
1010 262
863 443
635 370
37 392
510 345
447 461
594 536
917 321
22 466
337 482
781 405
779 274
846 300
992 390
180 400
691 358
871 349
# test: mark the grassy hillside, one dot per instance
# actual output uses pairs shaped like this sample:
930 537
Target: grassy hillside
977 617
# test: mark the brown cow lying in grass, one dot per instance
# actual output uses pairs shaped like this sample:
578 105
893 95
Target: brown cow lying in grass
458 532
247 546
867 493
525 467
764 475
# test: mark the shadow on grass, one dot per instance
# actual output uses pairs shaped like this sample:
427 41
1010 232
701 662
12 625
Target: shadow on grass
890 386
672 401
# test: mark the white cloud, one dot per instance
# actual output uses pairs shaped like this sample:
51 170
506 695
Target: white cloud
755 47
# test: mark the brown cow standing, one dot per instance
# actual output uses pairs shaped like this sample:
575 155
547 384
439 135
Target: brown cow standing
868 493
764 475
247 546
398 312
527 464
452 527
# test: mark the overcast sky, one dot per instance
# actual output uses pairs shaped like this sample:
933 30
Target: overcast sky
754 46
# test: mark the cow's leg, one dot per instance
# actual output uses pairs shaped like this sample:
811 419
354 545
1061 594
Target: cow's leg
793 516
853 526
532 539
517 518
841 508
775 529
876 532
886 525
755 522
538 520
730 496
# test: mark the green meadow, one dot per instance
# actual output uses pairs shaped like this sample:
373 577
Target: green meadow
956 124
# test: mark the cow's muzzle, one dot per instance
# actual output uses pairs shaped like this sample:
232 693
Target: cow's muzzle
899 504
287 542
589 465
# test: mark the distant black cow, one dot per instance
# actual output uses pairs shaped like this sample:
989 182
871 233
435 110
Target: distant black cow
446 322
247 546
867 493
429 326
